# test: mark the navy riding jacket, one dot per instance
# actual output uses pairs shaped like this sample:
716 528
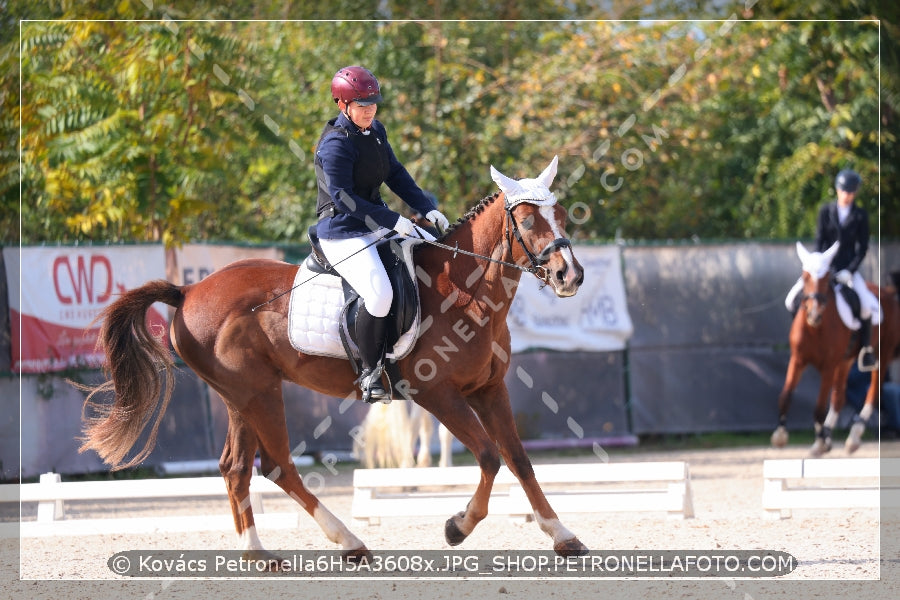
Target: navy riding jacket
350 166
853 235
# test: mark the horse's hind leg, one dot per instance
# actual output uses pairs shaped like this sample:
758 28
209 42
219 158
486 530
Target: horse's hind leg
446 438
278 466
858 428
236 466
421 425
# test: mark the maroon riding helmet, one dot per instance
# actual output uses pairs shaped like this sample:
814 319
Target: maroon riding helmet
355 84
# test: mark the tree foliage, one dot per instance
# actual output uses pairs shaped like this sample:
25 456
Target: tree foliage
150 125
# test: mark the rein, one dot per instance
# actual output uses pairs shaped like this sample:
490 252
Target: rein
512 230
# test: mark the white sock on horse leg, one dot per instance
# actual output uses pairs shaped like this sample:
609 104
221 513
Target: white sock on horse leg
249 540
831 418
335 530
866 412
554 529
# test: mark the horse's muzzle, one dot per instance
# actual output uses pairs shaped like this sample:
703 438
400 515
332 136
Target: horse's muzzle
814 304
566 279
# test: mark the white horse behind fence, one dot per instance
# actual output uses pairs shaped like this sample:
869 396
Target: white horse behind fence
388 434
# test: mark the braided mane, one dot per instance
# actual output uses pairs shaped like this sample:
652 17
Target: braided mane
472 213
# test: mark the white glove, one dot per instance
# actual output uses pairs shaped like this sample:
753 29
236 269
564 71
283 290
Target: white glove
438 218
405 227
844 277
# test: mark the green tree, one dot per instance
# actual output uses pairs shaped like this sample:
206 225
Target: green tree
187 130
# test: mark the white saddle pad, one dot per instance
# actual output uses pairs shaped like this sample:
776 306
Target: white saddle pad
846 312
314 313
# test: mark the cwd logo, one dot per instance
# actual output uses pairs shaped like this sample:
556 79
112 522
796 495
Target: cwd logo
88 281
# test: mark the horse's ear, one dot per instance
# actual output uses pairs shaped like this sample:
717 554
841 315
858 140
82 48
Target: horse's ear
505 183
546 178
802 252
828 255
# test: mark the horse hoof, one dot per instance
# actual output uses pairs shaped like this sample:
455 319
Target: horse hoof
572 547
452 532
854 440
780 437
258 556
358 555
820 447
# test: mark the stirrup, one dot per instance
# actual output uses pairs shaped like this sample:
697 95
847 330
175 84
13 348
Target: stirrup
866 360
371 387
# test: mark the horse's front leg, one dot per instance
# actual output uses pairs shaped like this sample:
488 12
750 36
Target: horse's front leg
493 408
824 414
451 410
795 368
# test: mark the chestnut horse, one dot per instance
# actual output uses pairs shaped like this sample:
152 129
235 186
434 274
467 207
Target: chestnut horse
455 371
820 338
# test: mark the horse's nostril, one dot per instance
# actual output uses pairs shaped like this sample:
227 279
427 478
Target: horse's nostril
561 274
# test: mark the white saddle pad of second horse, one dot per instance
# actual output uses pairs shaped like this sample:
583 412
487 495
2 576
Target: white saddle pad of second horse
314 313
846 312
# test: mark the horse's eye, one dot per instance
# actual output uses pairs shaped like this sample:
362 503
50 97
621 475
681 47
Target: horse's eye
528 222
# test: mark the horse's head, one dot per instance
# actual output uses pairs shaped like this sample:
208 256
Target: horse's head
538 224
816 267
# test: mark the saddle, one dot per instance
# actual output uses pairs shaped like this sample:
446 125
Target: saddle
853 304
323 307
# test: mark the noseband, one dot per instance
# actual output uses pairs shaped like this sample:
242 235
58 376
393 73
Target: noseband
813 318
819 297
537 261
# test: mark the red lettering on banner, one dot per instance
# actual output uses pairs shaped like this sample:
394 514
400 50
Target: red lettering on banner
82 279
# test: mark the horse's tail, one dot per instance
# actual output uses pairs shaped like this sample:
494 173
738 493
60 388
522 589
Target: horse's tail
385 439
137 364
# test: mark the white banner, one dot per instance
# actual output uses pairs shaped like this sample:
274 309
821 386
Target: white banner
595 319
55 294
193 262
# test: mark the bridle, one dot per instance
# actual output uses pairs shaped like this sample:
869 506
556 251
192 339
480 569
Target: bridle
821 301
538 261
511 230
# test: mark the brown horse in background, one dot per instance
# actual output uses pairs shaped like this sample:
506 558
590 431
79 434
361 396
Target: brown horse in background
820 338
456 370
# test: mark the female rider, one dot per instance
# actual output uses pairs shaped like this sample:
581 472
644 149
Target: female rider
353 159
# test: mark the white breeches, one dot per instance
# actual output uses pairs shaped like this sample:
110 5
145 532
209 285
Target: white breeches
869 307
362 269
792 295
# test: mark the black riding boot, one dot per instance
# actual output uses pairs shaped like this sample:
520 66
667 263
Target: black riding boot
370 340
866 360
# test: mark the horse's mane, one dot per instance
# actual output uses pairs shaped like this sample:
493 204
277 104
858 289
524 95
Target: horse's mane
471 213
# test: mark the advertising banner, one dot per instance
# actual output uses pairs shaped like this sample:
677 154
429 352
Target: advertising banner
595 319
193 262
55 293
